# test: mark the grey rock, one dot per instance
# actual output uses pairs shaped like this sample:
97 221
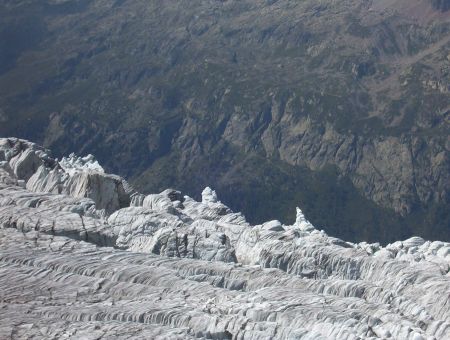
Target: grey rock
331 85
441 5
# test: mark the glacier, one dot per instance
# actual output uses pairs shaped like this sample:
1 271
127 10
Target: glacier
84 255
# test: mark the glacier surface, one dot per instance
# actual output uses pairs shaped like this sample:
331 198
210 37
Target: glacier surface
83 255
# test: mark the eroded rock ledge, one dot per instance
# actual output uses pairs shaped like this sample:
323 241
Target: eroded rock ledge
83 255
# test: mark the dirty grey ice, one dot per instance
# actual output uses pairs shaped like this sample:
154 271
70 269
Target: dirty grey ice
83 255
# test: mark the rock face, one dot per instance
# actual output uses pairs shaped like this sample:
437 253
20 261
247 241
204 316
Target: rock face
169 267
245 94
442 5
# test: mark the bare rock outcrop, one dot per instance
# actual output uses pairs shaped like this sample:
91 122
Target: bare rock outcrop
441 5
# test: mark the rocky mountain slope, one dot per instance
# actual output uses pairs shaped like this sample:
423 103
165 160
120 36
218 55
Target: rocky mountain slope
336 106
83 255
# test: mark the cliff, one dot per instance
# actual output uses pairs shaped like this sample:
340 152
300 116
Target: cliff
344 104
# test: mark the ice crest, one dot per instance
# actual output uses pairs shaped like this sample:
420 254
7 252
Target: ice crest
74 163
301 222
209 196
